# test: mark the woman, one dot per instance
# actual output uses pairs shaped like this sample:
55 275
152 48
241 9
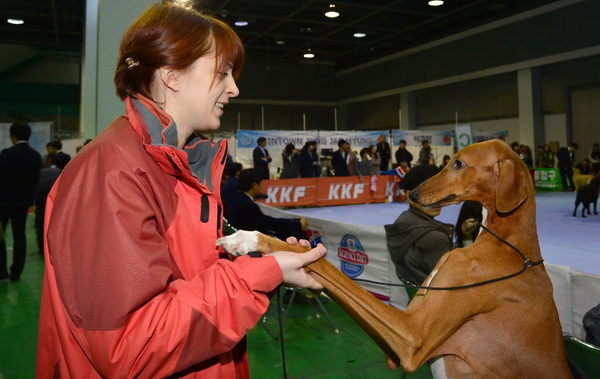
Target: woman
546 157
309 160
134 285
290 162
375 159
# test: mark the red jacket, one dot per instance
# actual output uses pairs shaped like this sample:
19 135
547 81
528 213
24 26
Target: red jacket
133 284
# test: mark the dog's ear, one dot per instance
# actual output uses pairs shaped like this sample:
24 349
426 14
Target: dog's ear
511 190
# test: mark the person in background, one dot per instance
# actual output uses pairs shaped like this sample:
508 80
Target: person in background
516 147
261 157
375 159
468 223
19 169
54 149
546 157
245 214
339 160
445 162
385 154
425 155
416 240
584 167
595 158
402 154
352 162
46 180
566 160
364 166
309 160
290 162
526 156
134 284
230 188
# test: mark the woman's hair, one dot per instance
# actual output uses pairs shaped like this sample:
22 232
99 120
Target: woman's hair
289 147
170 35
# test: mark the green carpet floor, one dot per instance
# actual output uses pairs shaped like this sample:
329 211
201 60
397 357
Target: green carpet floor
312 348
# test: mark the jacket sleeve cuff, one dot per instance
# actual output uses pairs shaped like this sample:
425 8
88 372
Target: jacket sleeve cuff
264 274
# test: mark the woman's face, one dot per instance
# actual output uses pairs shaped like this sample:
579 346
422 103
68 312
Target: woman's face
199 95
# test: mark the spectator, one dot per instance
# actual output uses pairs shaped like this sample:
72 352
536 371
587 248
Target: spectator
516 147
54 148
566 160
309 160
468 223
402 154
526 156
375 159
230 188
46 179
134 285
339 161
445 162
546 157
290 162
352 162
364 166
383 147
261 157
425 155
245 214
584 168
595 159
19 169
416 240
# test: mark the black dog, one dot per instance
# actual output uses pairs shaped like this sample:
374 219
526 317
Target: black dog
587 195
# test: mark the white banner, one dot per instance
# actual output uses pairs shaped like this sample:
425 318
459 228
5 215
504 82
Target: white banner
440 142
278 139
463 136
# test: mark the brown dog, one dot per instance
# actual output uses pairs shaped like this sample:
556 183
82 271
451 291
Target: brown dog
506 329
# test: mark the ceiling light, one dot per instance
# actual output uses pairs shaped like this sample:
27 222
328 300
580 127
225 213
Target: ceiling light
359 35
331 12
241 23
309 54
436 3
279 42
15 21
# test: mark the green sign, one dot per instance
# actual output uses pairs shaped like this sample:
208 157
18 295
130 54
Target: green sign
547 178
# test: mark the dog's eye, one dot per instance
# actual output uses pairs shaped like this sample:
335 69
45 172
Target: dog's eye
458 164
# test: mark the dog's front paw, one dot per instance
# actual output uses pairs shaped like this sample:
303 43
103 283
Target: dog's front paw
239 243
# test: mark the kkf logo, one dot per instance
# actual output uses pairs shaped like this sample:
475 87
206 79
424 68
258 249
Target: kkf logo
352 256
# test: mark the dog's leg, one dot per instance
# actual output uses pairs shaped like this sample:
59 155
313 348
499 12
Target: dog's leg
576 206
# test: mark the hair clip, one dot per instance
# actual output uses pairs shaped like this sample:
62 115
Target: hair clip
131 63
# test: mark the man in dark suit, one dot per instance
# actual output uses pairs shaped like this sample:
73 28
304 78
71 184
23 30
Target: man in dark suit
339 160
566 161
19 169
383 148
244 213
261 157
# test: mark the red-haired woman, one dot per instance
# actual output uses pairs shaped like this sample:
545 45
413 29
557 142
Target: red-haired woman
134 285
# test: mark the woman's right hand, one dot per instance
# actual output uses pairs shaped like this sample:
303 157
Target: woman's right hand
292 266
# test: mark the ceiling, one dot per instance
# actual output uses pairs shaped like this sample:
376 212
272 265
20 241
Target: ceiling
390 26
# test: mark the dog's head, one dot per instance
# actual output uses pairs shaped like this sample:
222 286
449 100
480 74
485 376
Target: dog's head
488 172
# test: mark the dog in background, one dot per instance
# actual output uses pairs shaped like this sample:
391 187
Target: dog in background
586 196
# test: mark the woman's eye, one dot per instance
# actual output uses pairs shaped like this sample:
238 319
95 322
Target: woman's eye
224 74
458 164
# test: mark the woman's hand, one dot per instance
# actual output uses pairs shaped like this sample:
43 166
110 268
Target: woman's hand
292 264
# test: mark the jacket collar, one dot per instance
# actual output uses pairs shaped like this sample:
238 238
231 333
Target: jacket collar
200 163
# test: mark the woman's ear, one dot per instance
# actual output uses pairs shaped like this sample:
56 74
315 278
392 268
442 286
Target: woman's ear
169 77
